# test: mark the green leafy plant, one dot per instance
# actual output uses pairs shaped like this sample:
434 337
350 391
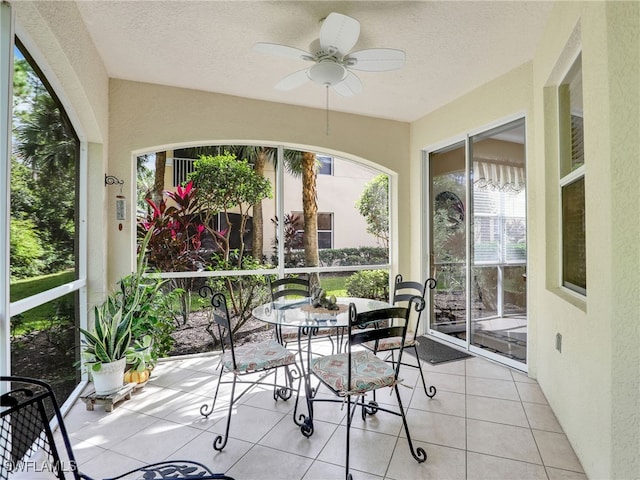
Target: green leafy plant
111 339
372 284
140 357
373 205
150 303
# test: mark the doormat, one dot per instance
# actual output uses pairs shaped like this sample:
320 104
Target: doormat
436 352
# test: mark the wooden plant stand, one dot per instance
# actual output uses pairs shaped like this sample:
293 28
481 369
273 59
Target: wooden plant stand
109 401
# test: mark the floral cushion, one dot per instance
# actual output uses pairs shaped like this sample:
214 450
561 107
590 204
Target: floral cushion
392 343
253 357
368 372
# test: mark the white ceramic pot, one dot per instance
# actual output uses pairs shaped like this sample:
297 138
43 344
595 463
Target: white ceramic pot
109 378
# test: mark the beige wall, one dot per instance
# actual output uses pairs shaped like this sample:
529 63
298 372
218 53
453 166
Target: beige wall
147 117
593 384
508 97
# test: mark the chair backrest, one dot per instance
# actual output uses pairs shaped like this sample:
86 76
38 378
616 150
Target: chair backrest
289 287
220 315
404 290
398 318
28 408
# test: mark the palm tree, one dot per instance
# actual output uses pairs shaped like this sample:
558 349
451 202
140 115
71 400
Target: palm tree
158 184
305 165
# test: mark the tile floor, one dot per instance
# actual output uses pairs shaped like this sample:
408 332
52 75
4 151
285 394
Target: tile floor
486 422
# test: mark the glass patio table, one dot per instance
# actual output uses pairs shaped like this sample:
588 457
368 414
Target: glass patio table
300 314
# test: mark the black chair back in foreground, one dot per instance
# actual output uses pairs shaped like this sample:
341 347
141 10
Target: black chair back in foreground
34 443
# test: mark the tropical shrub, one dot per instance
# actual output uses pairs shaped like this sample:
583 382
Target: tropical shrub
372 284
373 205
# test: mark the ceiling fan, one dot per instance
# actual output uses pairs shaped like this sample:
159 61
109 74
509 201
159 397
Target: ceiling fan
332 62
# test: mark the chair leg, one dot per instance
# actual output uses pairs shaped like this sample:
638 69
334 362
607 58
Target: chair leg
418 453
349 417
221 440
204 410
431 391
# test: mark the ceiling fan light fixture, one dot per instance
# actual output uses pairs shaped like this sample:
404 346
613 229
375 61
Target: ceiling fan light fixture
327 73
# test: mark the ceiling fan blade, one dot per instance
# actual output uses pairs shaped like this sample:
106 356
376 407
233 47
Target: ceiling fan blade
293 80
349 87
375 60
339 33
282 51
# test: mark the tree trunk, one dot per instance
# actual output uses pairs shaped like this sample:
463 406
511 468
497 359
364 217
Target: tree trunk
158 184
257 233
310 213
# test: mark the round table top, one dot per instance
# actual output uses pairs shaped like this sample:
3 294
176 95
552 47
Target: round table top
299 313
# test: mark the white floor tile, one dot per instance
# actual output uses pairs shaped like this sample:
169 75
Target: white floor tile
496 410
499 440
487 467
262 462
556 451
485 422
442 463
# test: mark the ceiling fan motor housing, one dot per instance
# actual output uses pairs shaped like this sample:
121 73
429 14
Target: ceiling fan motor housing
327 72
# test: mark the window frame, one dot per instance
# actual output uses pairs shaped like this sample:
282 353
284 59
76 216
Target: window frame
325 162
300 215
76 287
568 174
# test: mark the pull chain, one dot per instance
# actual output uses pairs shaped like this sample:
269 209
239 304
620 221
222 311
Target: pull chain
327 108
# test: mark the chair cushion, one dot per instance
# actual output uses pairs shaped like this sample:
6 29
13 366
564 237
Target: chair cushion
392 343
368 372
253 357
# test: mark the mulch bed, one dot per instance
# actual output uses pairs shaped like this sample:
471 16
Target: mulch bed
195 336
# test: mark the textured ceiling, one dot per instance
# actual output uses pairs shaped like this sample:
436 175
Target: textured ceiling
452 47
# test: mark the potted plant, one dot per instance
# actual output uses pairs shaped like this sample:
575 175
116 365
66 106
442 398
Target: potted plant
129 328
105 348
140 361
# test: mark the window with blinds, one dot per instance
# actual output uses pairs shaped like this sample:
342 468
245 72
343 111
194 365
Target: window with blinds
499 226
572 182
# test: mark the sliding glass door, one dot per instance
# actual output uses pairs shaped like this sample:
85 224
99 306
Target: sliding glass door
477 237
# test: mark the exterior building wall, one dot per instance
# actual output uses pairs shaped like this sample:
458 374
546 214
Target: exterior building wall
337 195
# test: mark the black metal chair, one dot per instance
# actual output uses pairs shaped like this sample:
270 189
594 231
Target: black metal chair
403 292
358 371
289 291
246 360
29 443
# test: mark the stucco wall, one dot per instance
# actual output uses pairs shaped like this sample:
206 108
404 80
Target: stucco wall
593 384
507 97
146 116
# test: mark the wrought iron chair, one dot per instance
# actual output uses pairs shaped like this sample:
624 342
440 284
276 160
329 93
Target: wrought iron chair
290 291
358 371
264 358
31 448
403 291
